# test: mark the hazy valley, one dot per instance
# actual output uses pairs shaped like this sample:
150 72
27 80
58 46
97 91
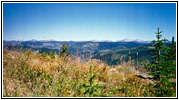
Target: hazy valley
112 53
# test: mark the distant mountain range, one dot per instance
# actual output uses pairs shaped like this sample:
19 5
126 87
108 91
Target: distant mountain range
108 51
124 40
136 40
99 45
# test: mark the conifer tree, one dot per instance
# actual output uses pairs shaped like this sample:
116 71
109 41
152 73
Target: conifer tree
63 51
171 54
163 67
170 60
159 45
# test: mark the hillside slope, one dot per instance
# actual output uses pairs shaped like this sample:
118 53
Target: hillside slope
27 74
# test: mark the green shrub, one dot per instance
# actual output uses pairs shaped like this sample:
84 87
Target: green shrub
92 88
64 50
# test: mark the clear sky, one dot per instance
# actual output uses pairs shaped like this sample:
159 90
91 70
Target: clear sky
88 21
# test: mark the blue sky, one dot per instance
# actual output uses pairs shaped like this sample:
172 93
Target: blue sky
88 21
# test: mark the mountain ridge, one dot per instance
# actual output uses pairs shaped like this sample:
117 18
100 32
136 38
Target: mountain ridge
124 40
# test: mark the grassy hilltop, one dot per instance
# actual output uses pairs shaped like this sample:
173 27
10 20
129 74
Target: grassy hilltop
27 74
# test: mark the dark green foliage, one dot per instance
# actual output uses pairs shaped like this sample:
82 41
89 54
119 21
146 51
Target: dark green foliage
171 51
44 54
51 54
92 88
46 50
163 66
155 67
159 47
116 57
64 50
170 59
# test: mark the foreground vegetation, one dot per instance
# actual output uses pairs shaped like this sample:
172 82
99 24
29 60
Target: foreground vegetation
30 74
36 75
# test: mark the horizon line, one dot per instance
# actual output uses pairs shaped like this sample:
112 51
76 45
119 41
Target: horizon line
126 40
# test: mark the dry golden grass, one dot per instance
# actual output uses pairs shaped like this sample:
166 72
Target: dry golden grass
62 77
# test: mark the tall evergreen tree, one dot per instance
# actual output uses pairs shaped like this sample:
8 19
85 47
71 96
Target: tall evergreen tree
171 54
159 45
163 67
170 60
